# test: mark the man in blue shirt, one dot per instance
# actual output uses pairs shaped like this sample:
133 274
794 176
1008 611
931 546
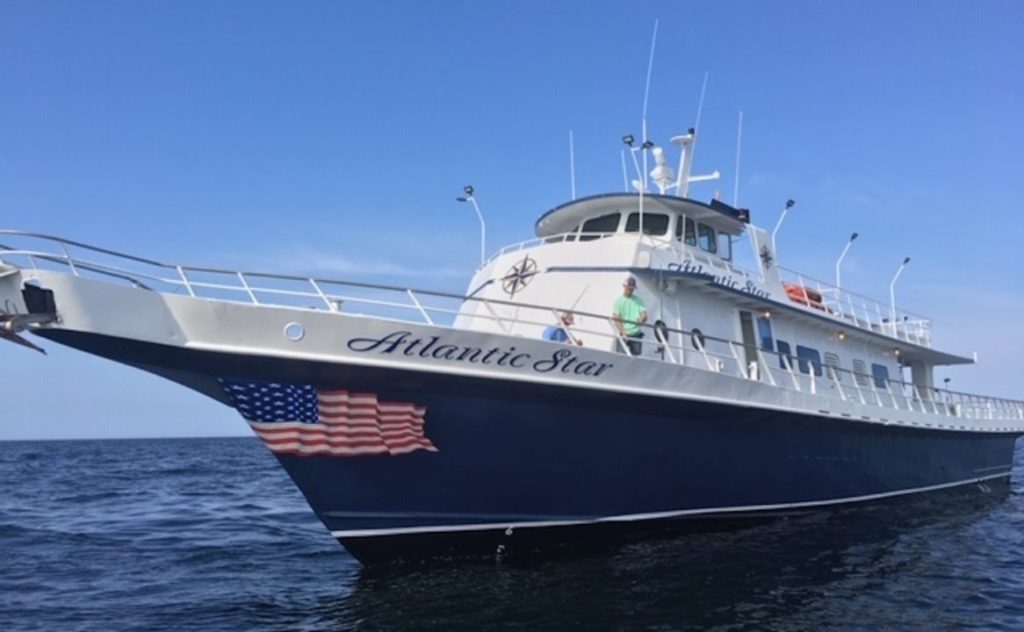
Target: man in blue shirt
559 332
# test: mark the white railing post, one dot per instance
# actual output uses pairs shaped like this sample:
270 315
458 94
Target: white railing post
184 279
498 319
741 369
765 368
419 306
69 258
323 296
836 383
789 369
248 290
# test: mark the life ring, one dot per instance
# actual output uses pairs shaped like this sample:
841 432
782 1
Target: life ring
805 296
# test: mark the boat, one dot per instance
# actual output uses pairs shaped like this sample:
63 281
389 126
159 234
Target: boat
421 424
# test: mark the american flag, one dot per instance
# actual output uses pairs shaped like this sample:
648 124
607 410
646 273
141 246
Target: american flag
303 420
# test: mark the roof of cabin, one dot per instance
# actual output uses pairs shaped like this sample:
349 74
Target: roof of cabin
565 217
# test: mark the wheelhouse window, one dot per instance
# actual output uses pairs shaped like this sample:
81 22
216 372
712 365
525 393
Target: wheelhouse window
686 230
706 238
654 223
598 227
725 246
808 359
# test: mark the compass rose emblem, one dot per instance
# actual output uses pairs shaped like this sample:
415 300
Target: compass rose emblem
519 276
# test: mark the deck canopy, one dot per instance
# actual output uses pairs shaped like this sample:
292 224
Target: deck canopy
562 219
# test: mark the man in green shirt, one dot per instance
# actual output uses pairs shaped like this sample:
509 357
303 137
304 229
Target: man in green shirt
628 314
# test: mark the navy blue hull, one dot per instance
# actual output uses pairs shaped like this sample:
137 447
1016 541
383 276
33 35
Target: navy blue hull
522 463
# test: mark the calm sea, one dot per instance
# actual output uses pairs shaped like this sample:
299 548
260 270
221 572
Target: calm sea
209 534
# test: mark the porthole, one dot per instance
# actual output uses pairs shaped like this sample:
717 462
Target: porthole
294 331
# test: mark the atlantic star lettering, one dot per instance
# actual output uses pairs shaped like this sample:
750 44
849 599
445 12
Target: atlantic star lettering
720 280
403 343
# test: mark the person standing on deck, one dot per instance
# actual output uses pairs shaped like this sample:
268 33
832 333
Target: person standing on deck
628 314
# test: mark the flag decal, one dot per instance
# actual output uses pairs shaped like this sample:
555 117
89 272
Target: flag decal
305 421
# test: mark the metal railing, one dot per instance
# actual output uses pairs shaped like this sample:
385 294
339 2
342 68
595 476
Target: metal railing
671 345
856 309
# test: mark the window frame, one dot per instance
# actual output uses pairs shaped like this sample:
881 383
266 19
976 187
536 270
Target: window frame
807 358
592 235
703 230
635 216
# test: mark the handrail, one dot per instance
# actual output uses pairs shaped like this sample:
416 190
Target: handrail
875 314
942 401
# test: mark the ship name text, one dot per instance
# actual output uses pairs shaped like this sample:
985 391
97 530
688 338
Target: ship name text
404 343
721 280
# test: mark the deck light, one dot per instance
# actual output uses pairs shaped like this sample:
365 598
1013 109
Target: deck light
628 139
767 313
892 294
841 335
789 204
483 228
839 261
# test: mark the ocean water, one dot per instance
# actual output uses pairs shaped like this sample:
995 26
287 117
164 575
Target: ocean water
210 534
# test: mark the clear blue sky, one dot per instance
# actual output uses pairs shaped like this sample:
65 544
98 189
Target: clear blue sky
332 137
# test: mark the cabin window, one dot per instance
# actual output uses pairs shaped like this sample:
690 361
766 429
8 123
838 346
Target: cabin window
764 332
690 230
808 359
691 233
725 246
784 354
881 374
654 223
598 227
832 360
706 237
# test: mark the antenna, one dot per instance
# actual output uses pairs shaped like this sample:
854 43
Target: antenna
625 177
688 145
572 165
700 103
643 125
739 144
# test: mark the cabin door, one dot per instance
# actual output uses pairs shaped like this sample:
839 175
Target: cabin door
749 342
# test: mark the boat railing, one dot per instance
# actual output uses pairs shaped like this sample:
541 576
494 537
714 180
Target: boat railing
856 309
672 345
